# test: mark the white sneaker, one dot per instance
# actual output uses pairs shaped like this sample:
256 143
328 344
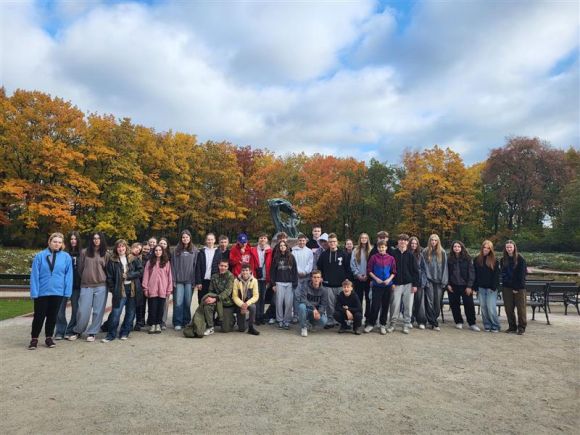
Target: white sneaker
368 328
106 340
91 338
271 321
178 328
475 328
124 337
208 331
390 329
436 328
459 325
405 329
411 326
383 330
421 326
304 332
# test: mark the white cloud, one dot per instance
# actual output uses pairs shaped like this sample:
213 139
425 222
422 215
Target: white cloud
331 78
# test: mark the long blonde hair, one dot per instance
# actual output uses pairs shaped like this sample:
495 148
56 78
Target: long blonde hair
490 260
361 246
438 251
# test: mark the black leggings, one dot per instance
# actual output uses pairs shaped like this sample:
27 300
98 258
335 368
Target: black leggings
156 309
45 307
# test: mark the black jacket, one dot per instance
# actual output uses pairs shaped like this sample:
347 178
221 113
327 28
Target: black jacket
407 270
484 276
201 264
115 278
461 271
334 267
514 277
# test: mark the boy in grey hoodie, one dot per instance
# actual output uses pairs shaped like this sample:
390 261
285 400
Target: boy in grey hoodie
312 303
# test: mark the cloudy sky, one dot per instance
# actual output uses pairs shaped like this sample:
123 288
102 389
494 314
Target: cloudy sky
363 78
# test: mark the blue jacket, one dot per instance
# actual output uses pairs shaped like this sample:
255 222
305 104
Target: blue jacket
58 282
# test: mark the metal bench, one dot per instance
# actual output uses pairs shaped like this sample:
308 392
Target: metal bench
537 292
564 292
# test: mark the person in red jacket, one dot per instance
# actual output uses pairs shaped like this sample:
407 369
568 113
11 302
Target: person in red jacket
241 253
262 253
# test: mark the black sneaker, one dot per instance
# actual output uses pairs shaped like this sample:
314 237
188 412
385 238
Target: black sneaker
327 326
33 344
511 331
521 331
137 328
342 330
252 331
49 342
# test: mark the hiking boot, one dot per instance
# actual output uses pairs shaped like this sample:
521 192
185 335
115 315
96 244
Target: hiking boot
33 344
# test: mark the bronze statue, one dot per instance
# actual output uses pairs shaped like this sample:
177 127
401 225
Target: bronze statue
290 224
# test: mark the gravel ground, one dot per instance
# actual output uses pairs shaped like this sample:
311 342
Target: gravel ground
279 382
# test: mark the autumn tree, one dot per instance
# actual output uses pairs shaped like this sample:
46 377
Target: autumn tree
523 179
437 193
42 183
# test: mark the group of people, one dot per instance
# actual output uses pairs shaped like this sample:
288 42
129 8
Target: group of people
315 284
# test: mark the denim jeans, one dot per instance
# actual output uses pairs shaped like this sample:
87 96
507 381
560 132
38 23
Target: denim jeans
487 301
115 317
305 314
182 304
62 327
302 283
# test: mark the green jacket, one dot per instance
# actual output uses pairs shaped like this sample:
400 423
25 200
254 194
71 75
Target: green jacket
222 285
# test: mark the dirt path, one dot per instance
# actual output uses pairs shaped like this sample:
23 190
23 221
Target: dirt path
279 382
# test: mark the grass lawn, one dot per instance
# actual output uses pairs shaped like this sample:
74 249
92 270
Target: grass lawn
15 307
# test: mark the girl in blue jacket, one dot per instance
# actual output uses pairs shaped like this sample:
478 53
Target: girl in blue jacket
51 279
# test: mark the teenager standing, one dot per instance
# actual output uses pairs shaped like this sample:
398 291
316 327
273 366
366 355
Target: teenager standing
513 271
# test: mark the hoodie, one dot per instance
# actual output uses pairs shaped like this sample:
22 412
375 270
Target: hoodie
237 258
334 267
304 260
314 298
382 266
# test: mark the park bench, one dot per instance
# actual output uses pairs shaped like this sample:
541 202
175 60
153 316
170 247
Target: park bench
564 292
537 292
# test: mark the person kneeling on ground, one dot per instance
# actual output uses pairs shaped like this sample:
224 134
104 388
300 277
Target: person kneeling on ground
348 309
312 303
245 296
218 298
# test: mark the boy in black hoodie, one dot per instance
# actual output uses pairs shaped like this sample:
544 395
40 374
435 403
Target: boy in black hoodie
348 309
334 267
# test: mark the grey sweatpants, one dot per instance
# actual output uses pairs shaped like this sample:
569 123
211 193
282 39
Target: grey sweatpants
284 302
92 299
401 292
332 294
